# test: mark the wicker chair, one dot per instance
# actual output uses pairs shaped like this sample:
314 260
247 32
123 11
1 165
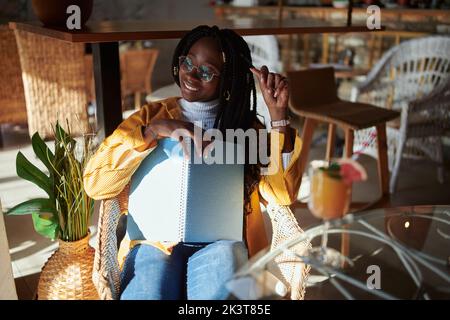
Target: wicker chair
106 273
136 70
53 75
414 78
89 74
12 98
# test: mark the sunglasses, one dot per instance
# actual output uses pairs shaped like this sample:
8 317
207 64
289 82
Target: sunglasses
205 73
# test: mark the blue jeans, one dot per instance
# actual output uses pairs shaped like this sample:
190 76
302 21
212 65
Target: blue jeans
191 271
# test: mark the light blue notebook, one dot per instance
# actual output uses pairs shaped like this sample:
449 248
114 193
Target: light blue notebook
174 199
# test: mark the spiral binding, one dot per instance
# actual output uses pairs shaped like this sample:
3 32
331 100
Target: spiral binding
183 200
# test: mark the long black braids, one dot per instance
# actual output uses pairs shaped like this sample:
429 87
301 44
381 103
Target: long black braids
237 91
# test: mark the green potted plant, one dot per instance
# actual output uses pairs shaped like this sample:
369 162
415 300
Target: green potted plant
64 214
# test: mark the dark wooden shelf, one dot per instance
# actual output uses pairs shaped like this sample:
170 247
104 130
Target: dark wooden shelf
328 10
111 31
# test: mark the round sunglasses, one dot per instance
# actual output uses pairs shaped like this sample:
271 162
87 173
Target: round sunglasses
204 72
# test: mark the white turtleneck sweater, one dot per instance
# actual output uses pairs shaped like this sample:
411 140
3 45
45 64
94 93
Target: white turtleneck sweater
200 111
206 113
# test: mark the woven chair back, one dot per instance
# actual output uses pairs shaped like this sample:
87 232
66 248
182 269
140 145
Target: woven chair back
407 72
12 97
419 65
89 74
136 70
54 82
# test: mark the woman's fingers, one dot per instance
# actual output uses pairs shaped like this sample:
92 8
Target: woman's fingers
283 84
270 83
187 134
261 75
256 72
186 144
181 137
208 147
186 147
263 79
198 144
264 73
277 78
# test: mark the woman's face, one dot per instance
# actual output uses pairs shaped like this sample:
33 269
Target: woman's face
205 55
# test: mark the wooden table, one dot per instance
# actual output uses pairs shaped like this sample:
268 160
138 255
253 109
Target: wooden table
105 37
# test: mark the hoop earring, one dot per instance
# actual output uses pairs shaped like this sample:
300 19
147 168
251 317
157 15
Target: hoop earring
227 95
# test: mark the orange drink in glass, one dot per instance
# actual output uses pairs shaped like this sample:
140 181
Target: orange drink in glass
330 195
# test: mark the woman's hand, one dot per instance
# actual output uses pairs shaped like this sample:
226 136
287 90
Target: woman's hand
275 90
178 130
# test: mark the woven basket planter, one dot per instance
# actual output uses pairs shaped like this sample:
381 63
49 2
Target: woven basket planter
67 275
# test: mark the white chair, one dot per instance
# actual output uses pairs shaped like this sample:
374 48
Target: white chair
265 51
413 78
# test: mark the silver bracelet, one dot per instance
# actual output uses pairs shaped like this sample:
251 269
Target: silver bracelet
280 123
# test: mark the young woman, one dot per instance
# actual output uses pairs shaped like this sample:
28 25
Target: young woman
213 69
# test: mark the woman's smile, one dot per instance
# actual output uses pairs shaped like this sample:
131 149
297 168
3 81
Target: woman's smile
205 52
190 86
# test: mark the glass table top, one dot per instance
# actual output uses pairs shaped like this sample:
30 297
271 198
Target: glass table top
395 253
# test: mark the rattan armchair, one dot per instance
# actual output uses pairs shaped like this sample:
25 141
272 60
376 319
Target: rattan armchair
106 273
53 73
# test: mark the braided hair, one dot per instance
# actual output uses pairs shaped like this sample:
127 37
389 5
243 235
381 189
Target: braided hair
237 92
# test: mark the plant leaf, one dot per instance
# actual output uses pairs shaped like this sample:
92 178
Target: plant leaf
42 151
28 171
38 205
45 224
62 135
334 167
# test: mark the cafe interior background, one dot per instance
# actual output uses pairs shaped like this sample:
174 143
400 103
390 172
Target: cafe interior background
421 180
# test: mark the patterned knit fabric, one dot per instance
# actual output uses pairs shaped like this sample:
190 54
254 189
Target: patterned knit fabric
200 111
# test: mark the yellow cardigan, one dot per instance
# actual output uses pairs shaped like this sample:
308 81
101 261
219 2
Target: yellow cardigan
111 167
